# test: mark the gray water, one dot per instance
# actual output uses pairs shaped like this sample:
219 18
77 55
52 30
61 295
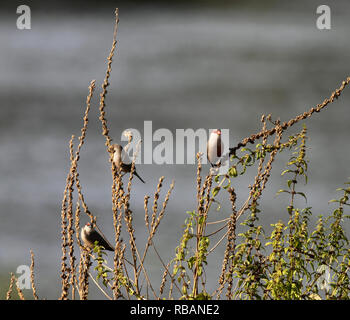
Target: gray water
180 69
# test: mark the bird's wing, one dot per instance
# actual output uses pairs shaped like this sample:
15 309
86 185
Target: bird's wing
102 241
125 157
220 146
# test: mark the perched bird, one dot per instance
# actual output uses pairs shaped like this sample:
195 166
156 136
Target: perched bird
215 148
122 161
89 235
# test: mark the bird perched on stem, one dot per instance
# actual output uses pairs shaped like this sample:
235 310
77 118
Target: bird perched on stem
122 161
215 148
90 235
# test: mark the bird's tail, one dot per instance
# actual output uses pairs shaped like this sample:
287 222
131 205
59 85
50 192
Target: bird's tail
215 165
136 174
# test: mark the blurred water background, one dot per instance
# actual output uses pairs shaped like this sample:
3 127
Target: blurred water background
203 65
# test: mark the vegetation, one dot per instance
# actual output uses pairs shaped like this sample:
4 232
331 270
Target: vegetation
295 261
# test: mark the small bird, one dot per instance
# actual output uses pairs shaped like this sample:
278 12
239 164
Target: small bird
90 235
122 161
215 148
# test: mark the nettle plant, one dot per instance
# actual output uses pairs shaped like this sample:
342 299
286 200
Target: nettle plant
303 262
295 261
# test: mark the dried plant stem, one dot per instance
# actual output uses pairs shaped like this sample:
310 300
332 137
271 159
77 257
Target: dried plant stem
81 142
199 184
151 235
151 229
32 275
118 252
218 243
9 291
155 202
166 269
231 244
98 286
67 218
117 188
335 95
70 232
129 219
146 275
77 224
201 221
64 270
19 291
105 130
263 177
218 221
145 206
155 221
85 264
131 231
164 277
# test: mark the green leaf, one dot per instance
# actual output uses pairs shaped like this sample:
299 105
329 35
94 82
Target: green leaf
333 200
216 191
203 296
228 185
285 171
233 172
303 195
282 190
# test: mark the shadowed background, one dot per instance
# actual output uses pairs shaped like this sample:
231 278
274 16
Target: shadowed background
194 65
